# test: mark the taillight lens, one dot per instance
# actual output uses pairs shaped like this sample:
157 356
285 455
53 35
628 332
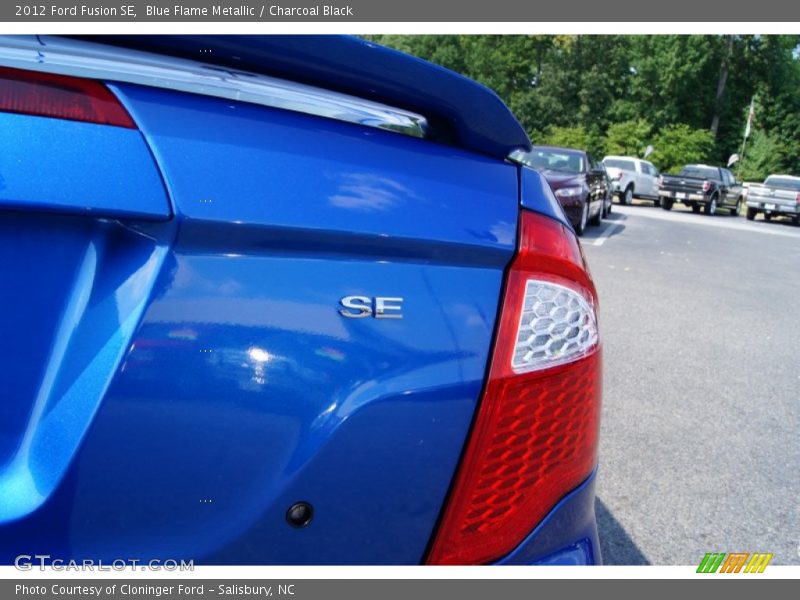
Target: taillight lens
706 186
557 326
797 198
60 97
535 434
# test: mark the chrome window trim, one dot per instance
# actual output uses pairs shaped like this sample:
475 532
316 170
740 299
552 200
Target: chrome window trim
108 63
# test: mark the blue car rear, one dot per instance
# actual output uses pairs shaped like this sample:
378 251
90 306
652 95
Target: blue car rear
297 274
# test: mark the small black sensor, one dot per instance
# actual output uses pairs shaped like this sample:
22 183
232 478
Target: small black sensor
299 514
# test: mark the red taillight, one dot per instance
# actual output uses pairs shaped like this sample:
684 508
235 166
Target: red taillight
706 186
60 97
797 198
535 434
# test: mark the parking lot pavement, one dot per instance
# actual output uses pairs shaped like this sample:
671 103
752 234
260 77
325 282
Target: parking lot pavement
700 448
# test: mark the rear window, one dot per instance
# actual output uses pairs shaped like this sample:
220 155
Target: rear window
619 163
784 183
554 159
699 172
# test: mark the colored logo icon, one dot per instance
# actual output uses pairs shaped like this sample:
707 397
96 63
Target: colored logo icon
736 562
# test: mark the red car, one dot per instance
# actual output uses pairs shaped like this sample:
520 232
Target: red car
579 182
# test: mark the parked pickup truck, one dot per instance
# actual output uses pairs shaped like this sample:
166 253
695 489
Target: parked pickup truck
702 187
632 177
779 195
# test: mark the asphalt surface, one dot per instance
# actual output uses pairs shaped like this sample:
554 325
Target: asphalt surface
700 448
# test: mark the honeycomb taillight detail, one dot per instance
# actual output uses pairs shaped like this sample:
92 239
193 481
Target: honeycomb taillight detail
536 432
557 325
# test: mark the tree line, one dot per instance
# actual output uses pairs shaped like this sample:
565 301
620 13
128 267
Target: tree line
686 95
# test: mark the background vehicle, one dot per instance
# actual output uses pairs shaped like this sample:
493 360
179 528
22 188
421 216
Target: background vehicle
248 311
578 181
778 196
609 200
633 178
702 187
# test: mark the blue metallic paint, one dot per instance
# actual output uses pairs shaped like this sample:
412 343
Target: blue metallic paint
566 536
64 343
244 390
78 168
198 379
239 166
459 109
536 195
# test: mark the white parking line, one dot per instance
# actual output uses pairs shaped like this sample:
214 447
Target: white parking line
719 221
606 233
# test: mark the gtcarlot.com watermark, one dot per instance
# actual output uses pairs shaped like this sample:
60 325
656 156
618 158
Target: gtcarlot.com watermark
29 562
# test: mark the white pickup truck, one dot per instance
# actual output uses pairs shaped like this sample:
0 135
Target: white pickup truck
779 195
632 177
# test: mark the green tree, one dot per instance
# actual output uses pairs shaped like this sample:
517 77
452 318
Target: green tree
628 138
573 137
600 91
762 157
569 137
677 145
